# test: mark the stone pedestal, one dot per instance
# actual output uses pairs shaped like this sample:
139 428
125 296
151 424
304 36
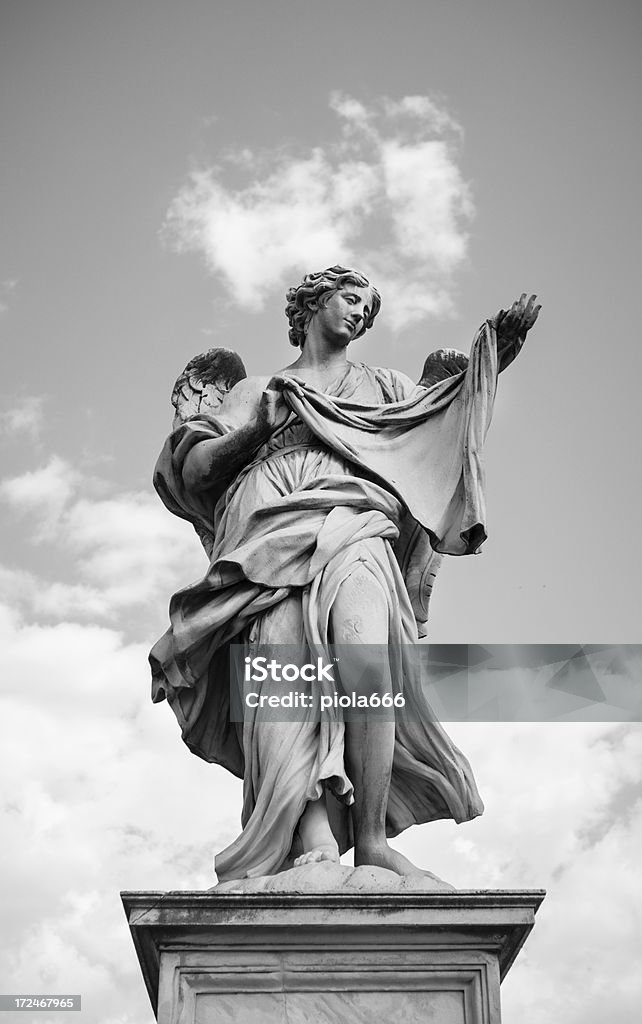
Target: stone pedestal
322 958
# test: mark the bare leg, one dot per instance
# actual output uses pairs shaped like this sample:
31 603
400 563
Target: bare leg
360 616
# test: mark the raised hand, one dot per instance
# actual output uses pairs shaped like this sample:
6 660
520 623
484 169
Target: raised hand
512 326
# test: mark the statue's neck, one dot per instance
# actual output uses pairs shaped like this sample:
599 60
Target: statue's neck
322 355
324 362
320 366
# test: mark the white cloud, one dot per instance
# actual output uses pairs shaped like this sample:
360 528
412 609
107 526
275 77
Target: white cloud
424 109
131 546
563 813
350 109
386 195
98 795
44 492
424 190
24 417
114 553
251 238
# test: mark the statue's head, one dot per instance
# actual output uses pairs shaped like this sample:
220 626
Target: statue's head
315 290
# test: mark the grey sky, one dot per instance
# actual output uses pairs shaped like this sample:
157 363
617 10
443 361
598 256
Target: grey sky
106 110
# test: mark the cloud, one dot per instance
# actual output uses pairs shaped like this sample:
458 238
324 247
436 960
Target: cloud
7 287
89 766
422 108
44 492
563 813
26 417
386 195
99 794
109 553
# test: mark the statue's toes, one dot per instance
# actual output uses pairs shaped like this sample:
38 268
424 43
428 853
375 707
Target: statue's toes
315 856
329 855
307 858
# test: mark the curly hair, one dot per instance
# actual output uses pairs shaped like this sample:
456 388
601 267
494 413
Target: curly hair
315 290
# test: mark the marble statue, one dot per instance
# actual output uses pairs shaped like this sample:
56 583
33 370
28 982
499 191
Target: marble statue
325 497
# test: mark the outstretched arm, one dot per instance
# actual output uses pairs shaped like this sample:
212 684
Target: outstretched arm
254 410
511 325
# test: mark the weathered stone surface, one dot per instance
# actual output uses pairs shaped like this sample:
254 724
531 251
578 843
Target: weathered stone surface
337 488
292 958
335 878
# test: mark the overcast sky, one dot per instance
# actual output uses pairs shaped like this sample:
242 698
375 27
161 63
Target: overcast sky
170 169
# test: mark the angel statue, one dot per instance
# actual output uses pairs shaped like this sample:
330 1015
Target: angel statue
325 497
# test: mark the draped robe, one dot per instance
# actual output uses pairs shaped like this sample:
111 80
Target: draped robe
376 472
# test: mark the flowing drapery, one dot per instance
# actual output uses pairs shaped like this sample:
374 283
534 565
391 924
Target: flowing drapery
357 473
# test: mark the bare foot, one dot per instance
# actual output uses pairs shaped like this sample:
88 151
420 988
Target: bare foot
319 853
380 855
316 835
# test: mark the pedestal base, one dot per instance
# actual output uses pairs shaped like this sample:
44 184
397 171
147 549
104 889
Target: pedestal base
291 958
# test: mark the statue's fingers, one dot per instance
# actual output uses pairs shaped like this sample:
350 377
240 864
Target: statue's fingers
498 318
530 305
532 316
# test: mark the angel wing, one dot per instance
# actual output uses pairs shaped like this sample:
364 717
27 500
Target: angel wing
200 390
443 363
204 382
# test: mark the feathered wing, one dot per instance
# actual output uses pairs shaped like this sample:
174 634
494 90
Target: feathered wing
204 382
200 390
443 363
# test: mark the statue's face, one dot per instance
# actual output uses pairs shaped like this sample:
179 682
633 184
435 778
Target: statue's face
341 317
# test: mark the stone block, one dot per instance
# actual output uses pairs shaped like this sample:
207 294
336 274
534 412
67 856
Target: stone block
319 958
